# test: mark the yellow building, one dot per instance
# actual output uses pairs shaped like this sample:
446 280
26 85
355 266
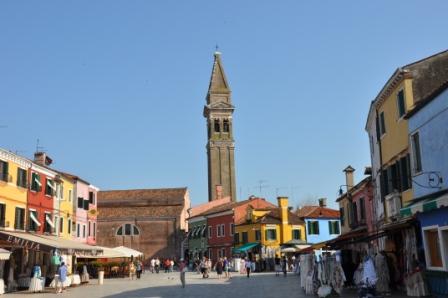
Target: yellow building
267 229
13 190
64 203
401 93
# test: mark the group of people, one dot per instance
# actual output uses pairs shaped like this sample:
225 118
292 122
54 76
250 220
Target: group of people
156 264
135 269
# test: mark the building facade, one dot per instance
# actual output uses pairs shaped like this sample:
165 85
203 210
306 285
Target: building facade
152 221
220 144
321 223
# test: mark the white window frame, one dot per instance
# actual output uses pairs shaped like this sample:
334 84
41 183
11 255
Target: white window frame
232 229
223 231
210 232
442 248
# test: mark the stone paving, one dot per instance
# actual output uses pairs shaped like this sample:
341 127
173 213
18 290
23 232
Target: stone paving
167 285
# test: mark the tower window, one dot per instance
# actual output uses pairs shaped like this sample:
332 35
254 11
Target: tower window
217 126
225 126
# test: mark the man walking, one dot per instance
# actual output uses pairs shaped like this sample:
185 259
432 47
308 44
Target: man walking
153 265
62 277
248 264
183 269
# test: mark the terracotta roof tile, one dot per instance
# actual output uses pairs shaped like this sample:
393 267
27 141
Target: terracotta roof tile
316 212
200 209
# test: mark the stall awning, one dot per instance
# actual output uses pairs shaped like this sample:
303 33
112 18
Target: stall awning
128 251
203 231
425 205
33 218
49 221
245 247
47 243
4 254
107 253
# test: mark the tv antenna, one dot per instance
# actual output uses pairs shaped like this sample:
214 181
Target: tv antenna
262 185
38 147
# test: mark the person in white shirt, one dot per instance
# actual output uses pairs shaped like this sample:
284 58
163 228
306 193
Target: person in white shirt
248 264
153 265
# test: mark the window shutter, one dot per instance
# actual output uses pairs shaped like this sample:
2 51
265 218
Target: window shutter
330 227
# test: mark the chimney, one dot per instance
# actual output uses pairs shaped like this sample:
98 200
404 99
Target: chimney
323 202
218 192
349 182
283 206
42 159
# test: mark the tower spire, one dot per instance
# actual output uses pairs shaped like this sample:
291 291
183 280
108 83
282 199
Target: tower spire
220 145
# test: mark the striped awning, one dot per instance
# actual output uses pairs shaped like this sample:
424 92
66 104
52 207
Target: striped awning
424 205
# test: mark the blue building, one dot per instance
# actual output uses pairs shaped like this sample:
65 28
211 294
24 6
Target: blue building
428 135
321 223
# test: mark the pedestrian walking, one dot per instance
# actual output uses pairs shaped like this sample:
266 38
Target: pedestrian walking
248 264
132 270
62 277
139 269
171 265
157 262
284 266
208 267
242 266
219 267
183 269
152 265
227 268
278 267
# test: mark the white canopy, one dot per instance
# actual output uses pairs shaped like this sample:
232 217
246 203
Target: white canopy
4 254
128 251
108 253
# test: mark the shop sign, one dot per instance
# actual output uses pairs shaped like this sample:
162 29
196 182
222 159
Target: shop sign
23 243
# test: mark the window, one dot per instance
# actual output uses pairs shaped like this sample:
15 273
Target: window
60 191
257 235
80 202
78 230
313 227
94 230
401 104
88 230
220 231
236 238
21 177
232 229
69 195
433 248
3 171
86 205
416 153
210 230
271 234
2 215
223 230
125 230
49 187
83 231
69 226
244 234
19 223
223 252
362 209
382 124
217 128
61 224
33 226
296 235
333 227
36 185
342 215
225 125
91 197
47 226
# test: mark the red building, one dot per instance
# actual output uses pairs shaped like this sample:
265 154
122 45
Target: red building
40 217
221 222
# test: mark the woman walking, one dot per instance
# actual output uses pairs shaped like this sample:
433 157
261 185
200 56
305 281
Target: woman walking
183 269
227 268
248 264
219 267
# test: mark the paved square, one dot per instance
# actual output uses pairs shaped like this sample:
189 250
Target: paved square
167 285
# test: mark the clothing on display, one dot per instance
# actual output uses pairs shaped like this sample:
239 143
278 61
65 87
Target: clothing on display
37 283
382 270
85 274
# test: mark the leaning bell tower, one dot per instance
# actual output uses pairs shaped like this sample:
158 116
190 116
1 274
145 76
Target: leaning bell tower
220 144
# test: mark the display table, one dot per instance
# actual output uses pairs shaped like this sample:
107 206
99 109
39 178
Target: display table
24 282
2 286
67 283
76 280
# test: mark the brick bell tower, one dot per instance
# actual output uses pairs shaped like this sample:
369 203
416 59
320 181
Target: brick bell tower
220 145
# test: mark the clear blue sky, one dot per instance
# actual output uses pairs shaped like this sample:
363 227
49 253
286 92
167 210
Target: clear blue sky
114 90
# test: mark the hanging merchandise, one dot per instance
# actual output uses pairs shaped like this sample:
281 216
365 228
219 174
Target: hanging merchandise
56 258
37 283
382 284
369 277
